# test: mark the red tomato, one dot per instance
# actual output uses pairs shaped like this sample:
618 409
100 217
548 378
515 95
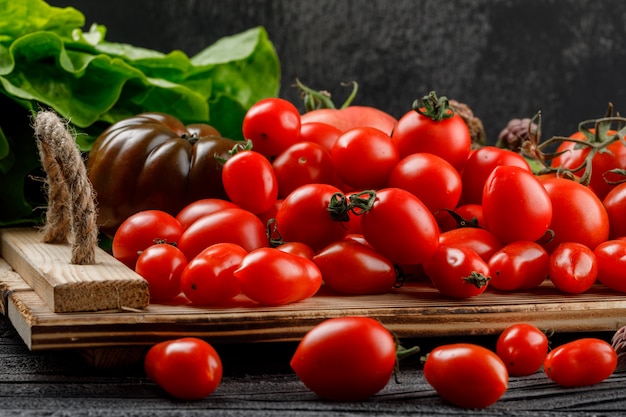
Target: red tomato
520 265
400 227
141 230
481 241
465 215
321 133
208 278
363 157
523 348
615 205
250 182
200 208
346 358
233 225
272 277
297 248
516 206
582 362
573 267
466 375
457 272
611 261
579 214
186 368
303 163
430 178
350 117
162 266
479 166
350 267
273 125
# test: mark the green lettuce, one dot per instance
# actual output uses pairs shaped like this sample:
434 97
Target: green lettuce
48 61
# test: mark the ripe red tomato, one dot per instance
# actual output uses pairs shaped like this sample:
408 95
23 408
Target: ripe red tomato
481 241
350 117
350 267
363 157
272 277
141 230
186 368
611 261
465 215
400 227
297 248
515 204
615 204
303 163
430 178
573 267
200 208
162 266
466 375
523 348
273 125
582 362
323 134
457 271
346 358
208 278
520 265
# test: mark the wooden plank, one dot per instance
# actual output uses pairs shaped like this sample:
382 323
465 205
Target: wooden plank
65 287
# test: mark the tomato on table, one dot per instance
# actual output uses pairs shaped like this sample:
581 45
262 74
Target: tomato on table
457 271
615 204
523 348
582 362
273 125
480 240
520 265
611 261
573 267
162 266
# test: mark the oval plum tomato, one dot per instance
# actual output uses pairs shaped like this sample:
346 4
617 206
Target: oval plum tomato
162 266
234 225
580 216
273 125
346 358
400 227
434 129
465 215
272 277
363 157
352 268
200 208
466 375
582 362
297 248
186 368
141 230
323 134
615 204
208 278
523 348
430 178
350 117
479 166
516 206
519 265
458 272
481 241
573 267
302 163
611 260
249 181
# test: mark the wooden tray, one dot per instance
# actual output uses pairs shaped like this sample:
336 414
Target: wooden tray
416 310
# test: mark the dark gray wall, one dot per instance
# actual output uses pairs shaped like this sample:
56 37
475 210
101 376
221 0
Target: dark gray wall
504 58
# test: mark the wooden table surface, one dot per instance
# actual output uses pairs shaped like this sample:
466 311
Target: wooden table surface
258 382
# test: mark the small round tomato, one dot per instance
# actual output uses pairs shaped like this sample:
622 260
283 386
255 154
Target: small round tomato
611 260
200 208
466 375
582 362
615 204
208 278
481 241
321 133
272 277
346 358
141 230
186 368
162 266
520 265
458 272
302 163
573 267
465 215
523 348
273 125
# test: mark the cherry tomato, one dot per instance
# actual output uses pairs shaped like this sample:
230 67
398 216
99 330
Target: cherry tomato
611 261
141 230
457 272
200 208
582 362
363 157
273 125
162 266
615 204
465 215
346 358
523 348
350 267
520 265
573 267
350 117
208 278
272 277
321 133
481 241
186 368
515 204
302 163
466 375
297 248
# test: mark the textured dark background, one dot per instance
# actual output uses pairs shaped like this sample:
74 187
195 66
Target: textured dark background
504 58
